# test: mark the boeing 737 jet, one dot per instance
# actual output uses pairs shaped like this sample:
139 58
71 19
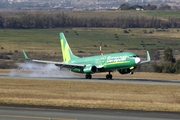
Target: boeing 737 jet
123 62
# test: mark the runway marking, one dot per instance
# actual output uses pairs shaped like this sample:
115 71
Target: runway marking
28 108
35 117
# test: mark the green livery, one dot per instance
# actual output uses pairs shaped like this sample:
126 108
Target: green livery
123 62
66 51
25 56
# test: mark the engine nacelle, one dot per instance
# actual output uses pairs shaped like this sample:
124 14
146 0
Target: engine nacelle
124 71
90 69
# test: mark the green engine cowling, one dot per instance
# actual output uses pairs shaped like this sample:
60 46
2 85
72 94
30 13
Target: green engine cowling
90 69
77 70
86 69
124 71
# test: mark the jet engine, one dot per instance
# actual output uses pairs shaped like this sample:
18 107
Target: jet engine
125 71
90 69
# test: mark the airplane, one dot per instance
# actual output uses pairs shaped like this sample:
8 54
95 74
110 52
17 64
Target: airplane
123 62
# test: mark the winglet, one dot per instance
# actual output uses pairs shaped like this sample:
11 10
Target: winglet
25 56
148 59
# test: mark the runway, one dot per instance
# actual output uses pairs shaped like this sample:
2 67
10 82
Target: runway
99 79
13 112
45 113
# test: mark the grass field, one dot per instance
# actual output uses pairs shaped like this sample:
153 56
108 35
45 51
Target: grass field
85 41
91 94
162 14
44 44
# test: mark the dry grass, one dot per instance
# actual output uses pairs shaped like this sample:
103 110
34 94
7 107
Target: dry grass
145 75
5 70
90 94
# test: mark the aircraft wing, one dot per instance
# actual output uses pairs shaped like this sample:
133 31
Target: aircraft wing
148 59
60 64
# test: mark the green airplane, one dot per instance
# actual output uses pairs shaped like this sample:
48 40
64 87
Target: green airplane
123 62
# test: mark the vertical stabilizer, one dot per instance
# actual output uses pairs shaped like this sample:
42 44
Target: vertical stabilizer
66 50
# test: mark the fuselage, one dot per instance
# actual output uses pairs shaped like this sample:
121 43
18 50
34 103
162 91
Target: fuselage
109 62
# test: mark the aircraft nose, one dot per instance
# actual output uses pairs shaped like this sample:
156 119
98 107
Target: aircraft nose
137 60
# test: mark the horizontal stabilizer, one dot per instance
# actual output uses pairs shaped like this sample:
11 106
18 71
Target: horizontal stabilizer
25 56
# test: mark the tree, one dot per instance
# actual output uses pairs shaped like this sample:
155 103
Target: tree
27 20
1 21
136 6
150 7
177 66
168 68
165 7
158 68
170 65
124 6
168 55
155 54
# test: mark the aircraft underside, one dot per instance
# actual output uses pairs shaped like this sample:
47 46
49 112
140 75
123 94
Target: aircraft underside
109 75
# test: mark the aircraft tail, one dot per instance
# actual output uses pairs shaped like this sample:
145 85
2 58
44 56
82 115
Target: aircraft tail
66 50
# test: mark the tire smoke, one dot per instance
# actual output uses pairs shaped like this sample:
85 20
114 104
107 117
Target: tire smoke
29 69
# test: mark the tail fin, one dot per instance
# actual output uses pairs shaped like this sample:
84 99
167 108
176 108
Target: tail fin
66 50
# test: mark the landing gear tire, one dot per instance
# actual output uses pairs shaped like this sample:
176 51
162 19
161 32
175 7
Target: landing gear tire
108 76
88 76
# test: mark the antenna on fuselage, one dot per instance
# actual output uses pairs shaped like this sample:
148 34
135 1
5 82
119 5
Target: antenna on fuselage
100 44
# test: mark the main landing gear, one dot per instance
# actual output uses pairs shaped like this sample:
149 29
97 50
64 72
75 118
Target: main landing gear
109 76
88 76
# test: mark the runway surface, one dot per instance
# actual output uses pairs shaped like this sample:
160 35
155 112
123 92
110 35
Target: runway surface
99 79
25 113
46 113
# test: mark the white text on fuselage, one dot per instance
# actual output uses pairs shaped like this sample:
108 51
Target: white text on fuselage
116 59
